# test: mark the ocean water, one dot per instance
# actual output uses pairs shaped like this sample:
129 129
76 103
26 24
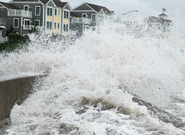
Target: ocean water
91 82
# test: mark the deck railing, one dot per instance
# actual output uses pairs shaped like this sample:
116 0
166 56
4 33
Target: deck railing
23 13
81 20
27 27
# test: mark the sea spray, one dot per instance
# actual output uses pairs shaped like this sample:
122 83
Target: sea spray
91 82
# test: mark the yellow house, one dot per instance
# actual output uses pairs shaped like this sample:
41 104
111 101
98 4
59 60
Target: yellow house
66 20
65 16
57 17
57 21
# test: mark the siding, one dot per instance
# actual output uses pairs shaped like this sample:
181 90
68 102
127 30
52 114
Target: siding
3 12
67 7
50 4
79 14
83 7
32 8
57 19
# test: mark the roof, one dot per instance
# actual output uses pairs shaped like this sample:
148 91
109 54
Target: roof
44 1
7 5
162 14
72 14
59 3
24 0
98 8
154 19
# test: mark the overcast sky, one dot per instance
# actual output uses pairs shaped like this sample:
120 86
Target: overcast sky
145 7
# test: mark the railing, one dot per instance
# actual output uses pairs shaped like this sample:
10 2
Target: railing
23 13
2 21
27 27
81 20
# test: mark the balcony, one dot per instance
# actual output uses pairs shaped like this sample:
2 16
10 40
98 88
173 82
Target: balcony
81 20
2 21
27 27
22 13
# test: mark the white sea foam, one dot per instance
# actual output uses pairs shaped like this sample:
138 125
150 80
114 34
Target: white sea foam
91 82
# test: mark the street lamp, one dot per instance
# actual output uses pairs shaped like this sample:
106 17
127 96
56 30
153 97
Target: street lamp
130 12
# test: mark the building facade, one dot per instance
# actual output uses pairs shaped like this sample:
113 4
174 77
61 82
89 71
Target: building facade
47 15
161 24
50 16
88 16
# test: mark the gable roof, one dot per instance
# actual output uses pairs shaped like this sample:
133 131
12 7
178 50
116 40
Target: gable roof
162 14
7 5
153 19
60 4
44 1
24 0
98 8
73 15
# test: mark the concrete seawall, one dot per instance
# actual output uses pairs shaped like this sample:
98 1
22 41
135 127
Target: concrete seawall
14 89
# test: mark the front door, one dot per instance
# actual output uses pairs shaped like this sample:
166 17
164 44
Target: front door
27 24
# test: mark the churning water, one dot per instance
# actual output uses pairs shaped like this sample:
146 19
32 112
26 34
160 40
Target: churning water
91 82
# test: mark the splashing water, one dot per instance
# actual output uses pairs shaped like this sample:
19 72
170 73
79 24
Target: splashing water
91 82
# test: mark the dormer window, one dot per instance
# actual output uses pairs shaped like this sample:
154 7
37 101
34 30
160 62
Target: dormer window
26 7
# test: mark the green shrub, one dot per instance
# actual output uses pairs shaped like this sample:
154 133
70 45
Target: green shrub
15 41
17 38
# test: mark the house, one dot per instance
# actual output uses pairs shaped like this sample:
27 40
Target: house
50 15
161 24
88 16
14 17
47 15
2 29
65 16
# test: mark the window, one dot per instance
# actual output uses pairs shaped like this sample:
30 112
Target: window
37 10
55 25
26 25
58 12
49 25
49 11
93 18
66 27
55 12
16 22
58 25
26 7
27 22
66 14
84 15
37 22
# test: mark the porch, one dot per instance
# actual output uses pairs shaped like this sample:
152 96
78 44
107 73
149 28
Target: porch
22 13
81 20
